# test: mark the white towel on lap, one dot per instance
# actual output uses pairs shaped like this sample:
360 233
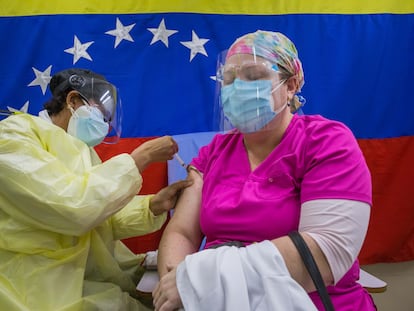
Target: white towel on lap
242 279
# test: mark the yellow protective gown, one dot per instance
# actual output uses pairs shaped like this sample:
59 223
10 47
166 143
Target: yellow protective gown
62 213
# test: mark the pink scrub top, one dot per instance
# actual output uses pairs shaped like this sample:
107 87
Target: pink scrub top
317 158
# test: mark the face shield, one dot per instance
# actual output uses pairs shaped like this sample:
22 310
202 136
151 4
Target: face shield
103 95
248 96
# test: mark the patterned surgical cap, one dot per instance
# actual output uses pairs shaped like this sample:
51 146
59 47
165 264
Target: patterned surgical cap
273 46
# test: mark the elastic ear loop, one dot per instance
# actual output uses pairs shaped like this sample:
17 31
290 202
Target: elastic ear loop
272 91
72 111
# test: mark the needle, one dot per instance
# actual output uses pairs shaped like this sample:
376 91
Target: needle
181 161
187 167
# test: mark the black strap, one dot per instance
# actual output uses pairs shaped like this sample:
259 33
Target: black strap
312 268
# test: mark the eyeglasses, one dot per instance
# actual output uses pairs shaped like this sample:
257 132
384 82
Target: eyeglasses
92 103
247 71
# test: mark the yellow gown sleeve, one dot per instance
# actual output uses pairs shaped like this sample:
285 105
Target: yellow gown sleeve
136 219
49 182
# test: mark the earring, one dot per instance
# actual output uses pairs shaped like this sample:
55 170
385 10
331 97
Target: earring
294 104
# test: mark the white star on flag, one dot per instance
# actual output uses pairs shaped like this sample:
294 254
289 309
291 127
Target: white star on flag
42 78
121 32
79 50
161 33
24 108
196 45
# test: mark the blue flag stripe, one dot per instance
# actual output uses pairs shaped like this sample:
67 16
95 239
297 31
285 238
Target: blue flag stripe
357 67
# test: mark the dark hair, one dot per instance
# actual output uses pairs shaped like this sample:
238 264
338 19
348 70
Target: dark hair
62 83
56 104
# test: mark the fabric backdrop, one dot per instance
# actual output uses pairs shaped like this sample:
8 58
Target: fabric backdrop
357 56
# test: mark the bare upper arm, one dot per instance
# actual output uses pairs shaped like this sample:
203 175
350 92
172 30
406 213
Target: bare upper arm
186 216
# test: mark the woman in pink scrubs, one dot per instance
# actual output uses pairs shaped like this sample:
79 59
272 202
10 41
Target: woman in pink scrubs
275 172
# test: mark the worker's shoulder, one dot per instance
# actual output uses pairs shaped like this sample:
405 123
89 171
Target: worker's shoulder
24 124
19 121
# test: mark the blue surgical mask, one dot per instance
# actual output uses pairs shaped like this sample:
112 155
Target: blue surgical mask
87 124
248 104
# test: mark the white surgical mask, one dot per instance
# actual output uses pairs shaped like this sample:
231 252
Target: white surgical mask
87 124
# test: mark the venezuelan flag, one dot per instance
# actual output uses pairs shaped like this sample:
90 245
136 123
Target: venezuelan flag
357 55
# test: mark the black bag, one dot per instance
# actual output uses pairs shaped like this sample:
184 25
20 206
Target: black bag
312 268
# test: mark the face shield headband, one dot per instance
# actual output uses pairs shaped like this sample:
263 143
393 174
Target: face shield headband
274 47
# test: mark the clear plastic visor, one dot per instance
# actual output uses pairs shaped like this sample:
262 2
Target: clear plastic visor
247 96
104 95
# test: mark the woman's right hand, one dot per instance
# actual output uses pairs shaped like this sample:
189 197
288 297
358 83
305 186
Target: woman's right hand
165 295
155 150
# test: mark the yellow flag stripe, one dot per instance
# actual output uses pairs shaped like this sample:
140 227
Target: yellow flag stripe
256 7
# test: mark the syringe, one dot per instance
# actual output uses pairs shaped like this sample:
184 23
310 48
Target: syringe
181 161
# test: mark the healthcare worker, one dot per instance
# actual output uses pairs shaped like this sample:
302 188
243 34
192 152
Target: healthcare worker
274 172
63 211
